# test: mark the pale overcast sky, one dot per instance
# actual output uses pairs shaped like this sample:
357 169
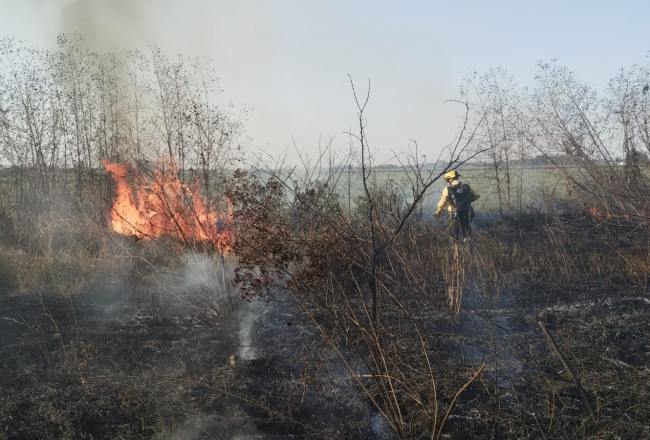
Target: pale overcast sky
287 59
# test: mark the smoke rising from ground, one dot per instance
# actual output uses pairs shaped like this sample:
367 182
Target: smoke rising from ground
204 273
247 316
232 424
200 281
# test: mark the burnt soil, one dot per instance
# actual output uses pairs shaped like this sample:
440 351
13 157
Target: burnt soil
86 368
525 391
601 326
115 363
95 366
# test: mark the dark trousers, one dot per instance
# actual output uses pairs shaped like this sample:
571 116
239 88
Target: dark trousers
461 224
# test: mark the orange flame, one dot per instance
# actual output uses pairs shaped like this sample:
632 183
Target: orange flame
163 205
594 213
598 215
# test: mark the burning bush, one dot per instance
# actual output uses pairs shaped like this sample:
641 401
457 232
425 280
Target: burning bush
150 206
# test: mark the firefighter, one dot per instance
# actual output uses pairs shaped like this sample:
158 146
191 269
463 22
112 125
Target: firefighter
457 197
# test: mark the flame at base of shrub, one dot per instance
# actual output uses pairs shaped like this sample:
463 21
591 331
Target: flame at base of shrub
158 204
604 213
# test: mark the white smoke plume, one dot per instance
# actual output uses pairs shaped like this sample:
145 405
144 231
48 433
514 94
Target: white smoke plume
106 26
202 281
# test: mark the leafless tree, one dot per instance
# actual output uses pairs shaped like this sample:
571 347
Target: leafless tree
497 98
583 134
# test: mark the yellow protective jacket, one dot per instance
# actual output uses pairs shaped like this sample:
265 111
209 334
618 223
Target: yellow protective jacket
444 198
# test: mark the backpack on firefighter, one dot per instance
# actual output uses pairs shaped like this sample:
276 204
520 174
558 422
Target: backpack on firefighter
457 197
460 198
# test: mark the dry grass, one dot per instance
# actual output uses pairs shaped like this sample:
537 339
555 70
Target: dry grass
411 363
422 387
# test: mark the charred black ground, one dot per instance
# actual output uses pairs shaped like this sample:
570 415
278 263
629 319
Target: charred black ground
77 368
124 362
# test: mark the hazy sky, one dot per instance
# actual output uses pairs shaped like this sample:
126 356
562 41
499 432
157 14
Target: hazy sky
287 60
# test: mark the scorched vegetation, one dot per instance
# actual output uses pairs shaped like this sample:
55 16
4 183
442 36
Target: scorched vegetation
155 284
